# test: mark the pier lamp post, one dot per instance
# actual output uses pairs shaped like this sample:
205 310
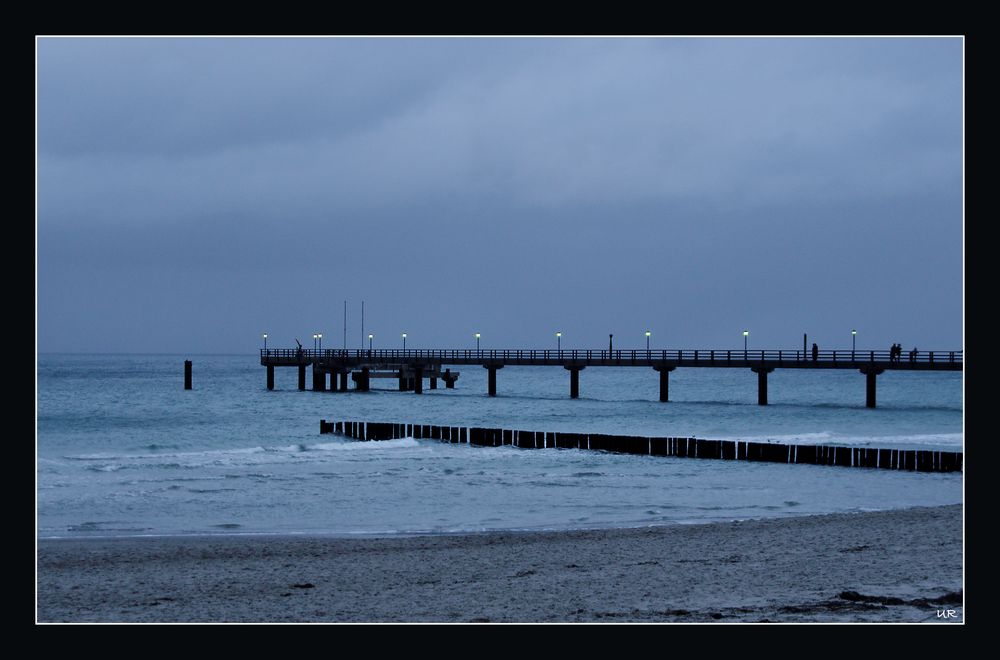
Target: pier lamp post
314 341
477 342
647 340
559 341
320 337
265 341
404 341
370 337
854 340
746 333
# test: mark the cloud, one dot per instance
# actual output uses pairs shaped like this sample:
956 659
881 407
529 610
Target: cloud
241 154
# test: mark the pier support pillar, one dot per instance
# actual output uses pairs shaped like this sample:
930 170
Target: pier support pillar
319 379
187 374
449 380
434 383
270 376
870 375
492 368
574 381
403 381
302 376
364 382
665 370
762 373
343 381
418 379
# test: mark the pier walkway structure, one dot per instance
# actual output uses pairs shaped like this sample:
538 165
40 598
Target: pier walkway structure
412 366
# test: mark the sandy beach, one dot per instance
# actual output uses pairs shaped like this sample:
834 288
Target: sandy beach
888 566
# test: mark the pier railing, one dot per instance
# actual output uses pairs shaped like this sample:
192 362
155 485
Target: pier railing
707 357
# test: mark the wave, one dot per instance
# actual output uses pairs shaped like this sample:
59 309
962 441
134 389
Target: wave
237 457
398 443
829 438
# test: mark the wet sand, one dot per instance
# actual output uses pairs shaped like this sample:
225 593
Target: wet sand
895 566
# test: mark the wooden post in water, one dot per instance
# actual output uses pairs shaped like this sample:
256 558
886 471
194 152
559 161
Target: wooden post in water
574 381
187 374
664 381
761 384
870 374
492 368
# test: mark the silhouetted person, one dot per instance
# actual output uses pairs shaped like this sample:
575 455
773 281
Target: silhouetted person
609 343
899 352
815 352
913 354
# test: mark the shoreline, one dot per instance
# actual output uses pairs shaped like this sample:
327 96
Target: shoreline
896 566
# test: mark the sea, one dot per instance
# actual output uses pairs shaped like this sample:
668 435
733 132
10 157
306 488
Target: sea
123 450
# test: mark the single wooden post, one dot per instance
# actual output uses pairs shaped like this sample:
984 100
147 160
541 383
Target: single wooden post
761 384
574 382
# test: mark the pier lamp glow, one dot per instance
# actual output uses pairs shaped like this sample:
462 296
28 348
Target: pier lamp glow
265 340
746 333
370 337
314 340
854 338
558 341
647 339
477 341
320 337
404 341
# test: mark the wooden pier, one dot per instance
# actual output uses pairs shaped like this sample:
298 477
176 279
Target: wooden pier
412 366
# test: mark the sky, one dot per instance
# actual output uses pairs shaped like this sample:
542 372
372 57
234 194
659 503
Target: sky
194 193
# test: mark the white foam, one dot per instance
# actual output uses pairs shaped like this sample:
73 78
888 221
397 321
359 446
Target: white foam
366 445
828 438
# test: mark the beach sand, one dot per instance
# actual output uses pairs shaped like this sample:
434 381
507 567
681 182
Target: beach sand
879 566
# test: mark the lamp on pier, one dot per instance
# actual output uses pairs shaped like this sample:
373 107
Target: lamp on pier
558 341
647 340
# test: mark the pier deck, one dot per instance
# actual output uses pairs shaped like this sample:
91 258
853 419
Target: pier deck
413 365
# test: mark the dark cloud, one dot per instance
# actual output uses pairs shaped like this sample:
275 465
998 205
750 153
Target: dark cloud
195 192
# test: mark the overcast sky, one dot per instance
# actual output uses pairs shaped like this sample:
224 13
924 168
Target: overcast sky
195 193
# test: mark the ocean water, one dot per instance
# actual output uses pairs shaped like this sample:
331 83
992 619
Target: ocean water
122 449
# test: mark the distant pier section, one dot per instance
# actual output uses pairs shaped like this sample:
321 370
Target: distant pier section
412 367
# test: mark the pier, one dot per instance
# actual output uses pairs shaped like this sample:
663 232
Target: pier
411 367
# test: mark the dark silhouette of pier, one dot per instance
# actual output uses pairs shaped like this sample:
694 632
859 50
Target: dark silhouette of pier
412 366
